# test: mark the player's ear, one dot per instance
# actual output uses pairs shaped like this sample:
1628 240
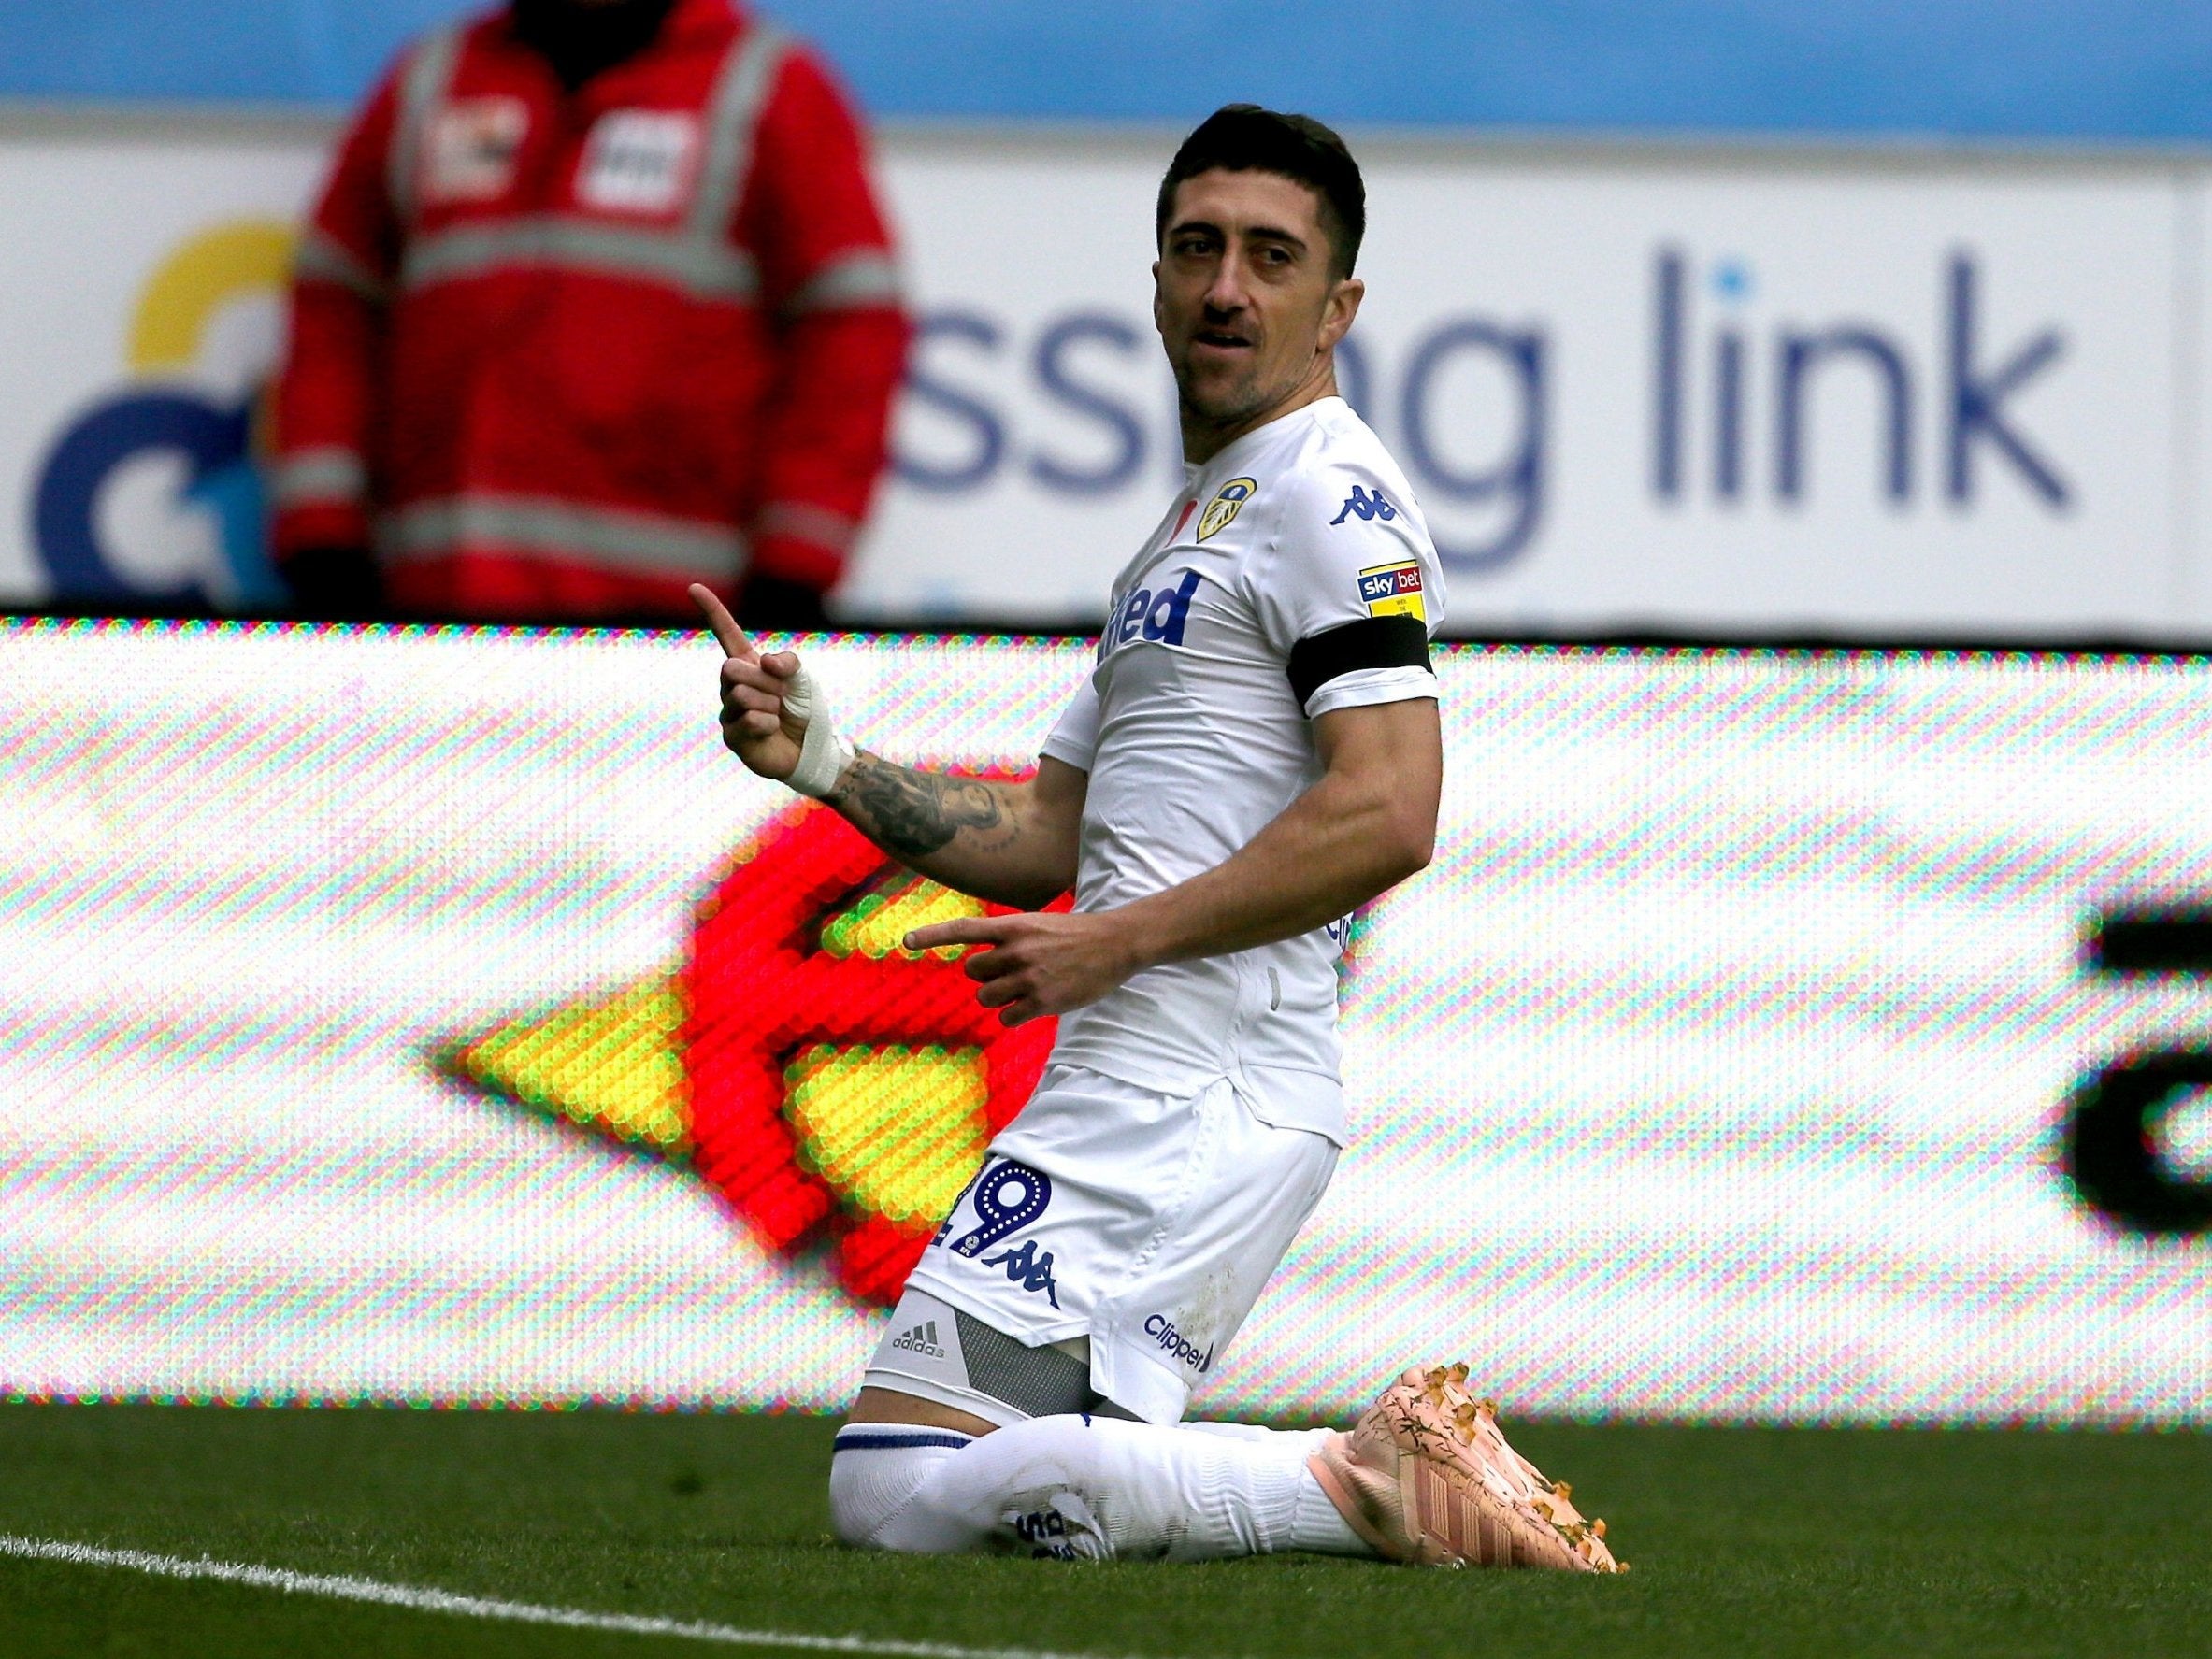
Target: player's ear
1159 320
1340 307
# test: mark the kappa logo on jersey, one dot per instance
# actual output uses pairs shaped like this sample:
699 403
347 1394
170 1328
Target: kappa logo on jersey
1157 613
1367 506
1393 590
1161 1329
473 145
1229 501
1030 1269
921 1340
637 161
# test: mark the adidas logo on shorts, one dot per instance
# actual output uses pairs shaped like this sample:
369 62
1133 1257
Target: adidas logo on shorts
921 1340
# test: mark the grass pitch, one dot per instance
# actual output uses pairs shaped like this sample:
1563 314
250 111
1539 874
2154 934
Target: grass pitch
1743 1543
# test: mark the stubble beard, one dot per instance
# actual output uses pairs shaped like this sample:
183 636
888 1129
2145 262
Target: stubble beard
1229 404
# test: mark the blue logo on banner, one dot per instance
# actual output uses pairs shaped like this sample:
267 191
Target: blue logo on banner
162 416
210 439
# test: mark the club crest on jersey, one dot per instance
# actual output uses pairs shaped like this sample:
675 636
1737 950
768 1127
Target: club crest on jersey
1229 501
1393 590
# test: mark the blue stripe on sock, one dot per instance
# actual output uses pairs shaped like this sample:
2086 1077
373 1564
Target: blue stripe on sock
888 1439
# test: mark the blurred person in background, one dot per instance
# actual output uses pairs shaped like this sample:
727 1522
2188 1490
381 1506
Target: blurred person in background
598 302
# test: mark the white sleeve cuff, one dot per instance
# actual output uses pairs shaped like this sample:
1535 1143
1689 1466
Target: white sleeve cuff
1365 687
1079 756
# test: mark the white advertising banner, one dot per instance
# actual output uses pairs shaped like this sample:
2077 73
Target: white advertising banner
140 313
444 1016
1860 397
1865 393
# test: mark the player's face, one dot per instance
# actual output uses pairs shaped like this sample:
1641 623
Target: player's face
1244 298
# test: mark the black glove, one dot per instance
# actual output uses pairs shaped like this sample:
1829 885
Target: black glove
335 584
781 605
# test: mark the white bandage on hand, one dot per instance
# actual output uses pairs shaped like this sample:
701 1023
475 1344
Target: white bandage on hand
823 755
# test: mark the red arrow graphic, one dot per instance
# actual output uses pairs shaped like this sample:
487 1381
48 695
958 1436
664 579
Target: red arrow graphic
821 1078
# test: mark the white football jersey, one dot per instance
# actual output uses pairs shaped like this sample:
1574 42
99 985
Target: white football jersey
1293 576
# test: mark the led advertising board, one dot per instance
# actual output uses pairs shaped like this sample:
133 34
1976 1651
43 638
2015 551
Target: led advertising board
445 1016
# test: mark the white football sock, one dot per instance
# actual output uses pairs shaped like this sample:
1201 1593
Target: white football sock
1105 1487
877 1467
1315 1524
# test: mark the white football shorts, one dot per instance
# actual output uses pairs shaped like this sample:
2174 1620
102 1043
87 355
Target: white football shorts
1146 1223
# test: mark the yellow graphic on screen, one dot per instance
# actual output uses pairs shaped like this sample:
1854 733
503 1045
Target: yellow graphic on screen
897 1130
615 1066
874 927
900 1131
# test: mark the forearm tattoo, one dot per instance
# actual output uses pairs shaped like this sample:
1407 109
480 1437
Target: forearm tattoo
914 814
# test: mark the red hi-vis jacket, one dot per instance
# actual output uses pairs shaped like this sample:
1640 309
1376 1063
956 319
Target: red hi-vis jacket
560 353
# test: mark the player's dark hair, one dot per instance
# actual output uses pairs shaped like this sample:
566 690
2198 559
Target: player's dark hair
1245 139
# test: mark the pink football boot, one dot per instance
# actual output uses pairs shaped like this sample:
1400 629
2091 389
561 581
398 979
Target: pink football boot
1426 1477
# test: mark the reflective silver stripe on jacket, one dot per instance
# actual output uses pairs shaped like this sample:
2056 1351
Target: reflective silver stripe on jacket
849 282
651 543
422 89
711 270
326 474
698 256
322 258
733 119
805 522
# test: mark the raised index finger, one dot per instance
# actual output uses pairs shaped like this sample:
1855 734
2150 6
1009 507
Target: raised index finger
968 930
726 632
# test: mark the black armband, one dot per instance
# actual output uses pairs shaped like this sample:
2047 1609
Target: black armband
1371 643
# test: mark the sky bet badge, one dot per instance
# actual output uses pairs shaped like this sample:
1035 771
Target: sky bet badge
1229 501
1393 590
825 1079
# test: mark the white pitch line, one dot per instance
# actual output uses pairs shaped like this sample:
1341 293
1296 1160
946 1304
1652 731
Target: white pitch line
344 1588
